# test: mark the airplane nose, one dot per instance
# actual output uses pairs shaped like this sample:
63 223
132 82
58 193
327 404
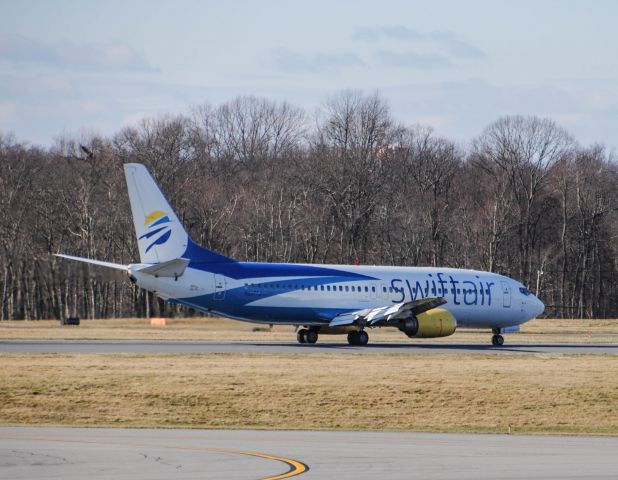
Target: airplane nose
538 307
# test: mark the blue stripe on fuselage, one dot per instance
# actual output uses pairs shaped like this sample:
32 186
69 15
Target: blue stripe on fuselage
237 302
265 314
242 270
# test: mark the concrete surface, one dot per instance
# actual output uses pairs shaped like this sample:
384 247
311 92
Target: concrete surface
78 453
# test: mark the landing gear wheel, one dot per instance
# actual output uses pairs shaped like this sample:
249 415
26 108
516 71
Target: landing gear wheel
301 335
311 336
497 340
358 338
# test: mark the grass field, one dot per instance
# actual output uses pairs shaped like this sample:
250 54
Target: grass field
469 393
542 330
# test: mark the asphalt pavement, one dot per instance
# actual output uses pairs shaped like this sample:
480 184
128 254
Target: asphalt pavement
183 346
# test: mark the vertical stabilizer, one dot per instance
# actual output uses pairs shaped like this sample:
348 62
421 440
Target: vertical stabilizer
160 235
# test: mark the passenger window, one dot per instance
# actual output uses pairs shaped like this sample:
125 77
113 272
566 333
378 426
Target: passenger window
373 289
322 287
366 289
340 288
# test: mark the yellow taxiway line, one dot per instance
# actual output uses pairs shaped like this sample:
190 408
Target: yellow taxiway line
295 467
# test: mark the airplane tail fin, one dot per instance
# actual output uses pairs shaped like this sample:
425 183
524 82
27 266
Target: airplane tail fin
160 235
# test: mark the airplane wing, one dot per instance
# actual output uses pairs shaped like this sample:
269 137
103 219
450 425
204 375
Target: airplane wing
91 261
171 268
371 316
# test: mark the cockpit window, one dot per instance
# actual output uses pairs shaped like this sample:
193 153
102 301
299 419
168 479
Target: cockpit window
525 291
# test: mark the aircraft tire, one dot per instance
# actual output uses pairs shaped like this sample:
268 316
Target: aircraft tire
311 336
301 335
363 338
353 338
497 340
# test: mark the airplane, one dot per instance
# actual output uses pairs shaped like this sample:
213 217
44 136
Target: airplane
422 302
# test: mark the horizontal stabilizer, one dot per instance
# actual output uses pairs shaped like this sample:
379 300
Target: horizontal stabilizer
371 316
99 263
172 268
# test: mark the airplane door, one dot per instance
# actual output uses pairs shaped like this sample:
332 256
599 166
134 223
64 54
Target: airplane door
506 295
219 287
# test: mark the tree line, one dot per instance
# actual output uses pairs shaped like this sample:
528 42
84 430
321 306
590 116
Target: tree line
261 180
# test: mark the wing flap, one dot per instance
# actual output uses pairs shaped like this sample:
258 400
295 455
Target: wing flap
371 316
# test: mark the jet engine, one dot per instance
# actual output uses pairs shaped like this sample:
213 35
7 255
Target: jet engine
437 322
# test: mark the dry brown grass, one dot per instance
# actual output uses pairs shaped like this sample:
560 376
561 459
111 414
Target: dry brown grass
551 394
543 330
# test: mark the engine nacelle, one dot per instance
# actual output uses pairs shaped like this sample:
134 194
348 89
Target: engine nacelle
437 322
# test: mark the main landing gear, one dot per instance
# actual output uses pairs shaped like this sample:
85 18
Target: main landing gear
310 335
497 339
360 338
307 336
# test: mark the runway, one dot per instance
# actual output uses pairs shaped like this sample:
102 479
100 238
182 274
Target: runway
184 347
77 453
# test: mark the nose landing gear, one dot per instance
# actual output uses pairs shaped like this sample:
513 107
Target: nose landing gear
497 339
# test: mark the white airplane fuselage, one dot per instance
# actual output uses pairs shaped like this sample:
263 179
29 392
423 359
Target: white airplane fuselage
422 302
300 294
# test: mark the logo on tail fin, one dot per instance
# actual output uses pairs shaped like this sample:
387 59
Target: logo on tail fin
159 227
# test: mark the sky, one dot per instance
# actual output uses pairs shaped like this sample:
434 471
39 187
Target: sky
93 67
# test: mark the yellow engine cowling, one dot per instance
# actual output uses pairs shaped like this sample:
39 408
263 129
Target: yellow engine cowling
437 322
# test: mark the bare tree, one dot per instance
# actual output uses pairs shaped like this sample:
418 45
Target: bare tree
252 179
